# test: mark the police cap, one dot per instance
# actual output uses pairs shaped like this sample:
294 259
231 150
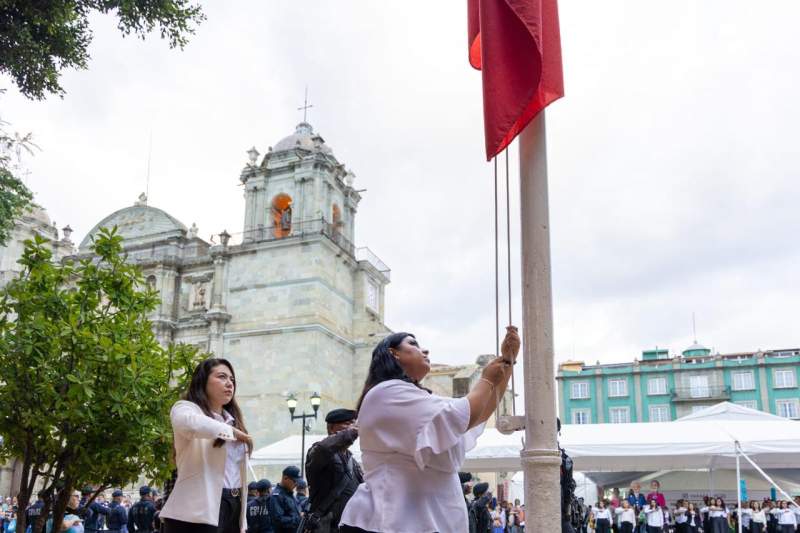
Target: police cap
144 490
464 477
480 489
292 472
301 483
253 485
340 415
263 485
87 490
116 494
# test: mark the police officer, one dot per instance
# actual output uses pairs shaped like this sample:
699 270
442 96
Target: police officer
140 516
480 520
333 472
34 511
283 509
117 516
258 520
252 491
91 513
301 496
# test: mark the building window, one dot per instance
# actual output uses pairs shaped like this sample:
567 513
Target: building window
581 416
698 387
656 386
617 388
580 390
788 408
698 408
659 413
743 381
620 415
784 379
750 404
372 295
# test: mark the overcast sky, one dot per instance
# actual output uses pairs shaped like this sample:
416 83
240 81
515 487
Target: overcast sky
673 157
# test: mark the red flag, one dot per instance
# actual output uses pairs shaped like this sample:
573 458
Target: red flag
517 46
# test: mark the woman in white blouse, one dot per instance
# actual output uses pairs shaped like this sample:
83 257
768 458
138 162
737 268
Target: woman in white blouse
626 516
211 449
655 517
787 517
758 521
717 515
414 442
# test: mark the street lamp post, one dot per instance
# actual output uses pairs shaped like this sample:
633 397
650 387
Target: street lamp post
291 403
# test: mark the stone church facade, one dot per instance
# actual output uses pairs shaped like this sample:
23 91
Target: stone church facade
289 300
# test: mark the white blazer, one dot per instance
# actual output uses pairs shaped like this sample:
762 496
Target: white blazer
201 467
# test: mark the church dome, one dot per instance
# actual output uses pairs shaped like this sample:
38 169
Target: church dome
305 138
137 224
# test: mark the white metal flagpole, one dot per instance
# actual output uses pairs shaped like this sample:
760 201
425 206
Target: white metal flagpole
541 459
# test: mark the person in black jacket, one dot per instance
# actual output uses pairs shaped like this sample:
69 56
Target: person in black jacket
333 473
283 508
140 516
258 520
480 520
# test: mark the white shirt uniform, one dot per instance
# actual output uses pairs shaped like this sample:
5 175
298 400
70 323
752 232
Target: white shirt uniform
235 453
760 517
787 517
626 515
412 446
680 516
601 514
655 517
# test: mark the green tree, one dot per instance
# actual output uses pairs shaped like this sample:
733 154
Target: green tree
85 388
38 39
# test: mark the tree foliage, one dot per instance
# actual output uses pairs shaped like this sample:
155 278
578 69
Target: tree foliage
38 39
85 388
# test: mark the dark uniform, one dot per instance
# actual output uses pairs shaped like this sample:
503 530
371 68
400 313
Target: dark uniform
258 519
34 512
333 473
480 520
140 516
302 499
283 509
92 513
117 516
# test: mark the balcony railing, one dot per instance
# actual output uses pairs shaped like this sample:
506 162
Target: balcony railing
689 394
294 229
365 254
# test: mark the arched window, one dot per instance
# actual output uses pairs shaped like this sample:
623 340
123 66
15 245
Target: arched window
282 216
151 282
336 217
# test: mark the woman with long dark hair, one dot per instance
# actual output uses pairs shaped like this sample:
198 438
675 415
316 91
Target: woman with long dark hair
414 442
211 450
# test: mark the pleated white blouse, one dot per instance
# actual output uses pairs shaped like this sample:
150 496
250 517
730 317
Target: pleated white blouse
412 445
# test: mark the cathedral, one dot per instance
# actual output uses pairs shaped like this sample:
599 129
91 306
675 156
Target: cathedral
290 300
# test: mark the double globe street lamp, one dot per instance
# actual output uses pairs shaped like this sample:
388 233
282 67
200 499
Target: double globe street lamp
291 403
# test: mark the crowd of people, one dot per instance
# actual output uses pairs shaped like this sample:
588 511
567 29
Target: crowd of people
637 512
488 515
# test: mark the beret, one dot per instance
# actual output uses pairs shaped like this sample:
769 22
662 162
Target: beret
480 489
340 415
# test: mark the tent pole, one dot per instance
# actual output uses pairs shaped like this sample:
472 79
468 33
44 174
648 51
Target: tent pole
738 487
541 459
758 468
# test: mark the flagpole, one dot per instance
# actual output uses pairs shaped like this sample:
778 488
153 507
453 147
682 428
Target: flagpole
541 460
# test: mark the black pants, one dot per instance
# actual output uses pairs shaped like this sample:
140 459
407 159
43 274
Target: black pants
757 527
602 525
626 527
230 509
786 528
350 529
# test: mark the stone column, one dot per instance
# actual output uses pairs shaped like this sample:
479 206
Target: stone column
217 316
541 460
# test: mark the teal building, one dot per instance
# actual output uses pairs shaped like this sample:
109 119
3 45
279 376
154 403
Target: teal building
659 387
